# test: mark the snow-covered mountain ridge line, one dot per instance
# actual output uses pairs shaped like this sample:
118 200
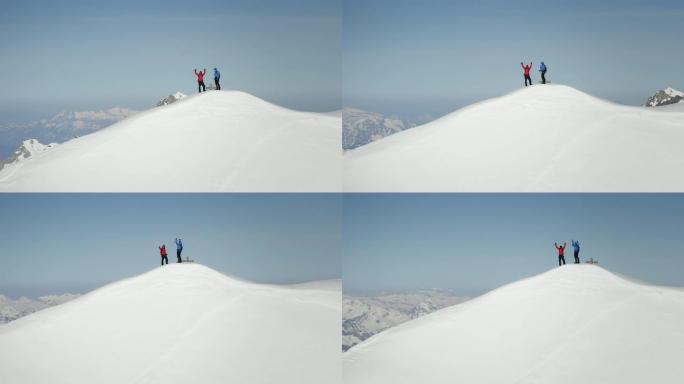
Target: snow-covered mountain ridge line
576 323
545 138
176 324
219 141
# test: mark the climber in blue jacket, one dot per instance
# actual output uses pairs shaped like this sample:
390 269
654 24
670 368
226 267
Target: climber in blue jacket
179 249
217 76
576 249
542 69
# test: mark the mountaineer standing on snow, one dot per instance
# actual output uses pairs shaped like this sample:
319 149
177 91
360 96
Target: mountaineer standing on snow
162 252
217 76
527 69
200 80
542 69
561 253
576 249
179 249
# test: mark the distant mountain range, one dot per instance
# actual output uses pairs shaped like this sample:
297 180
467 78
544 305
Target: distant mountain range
363 317
64 126
13 309
665 96
171 99
361 127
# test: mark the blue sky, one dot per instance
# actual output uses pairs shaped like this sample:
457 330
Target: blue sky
54 243
87 54
413 58
472 243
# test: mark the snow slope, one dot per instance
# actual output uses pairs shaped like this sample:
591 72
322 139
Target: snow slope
183 323
544 138
211 142
574 324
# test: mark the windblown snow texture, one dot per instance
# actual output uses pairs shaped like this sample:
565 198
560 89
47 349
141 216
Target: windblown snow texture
573 324
181 323
545 138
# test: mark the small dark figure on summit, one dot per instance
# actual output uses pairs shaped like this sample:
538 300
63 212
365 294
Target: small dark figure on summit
217 77
162 252
561 252
179 249
200 80
526 70
576 249
542 69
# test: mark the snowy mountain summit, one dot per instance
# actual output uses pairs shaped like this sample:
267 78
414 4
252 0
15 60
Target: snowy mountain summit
218 141
27 149
171 98
573 324
665 96
544 138
181 323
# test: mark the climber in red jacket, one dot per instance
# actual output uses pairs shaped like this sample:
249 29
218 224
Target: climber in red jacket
561 252
162 252
200 80
527 68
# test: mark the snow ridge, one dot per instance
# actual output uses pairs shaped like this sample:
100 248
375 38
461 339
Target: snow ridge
545 138
177 324
576 323
218 141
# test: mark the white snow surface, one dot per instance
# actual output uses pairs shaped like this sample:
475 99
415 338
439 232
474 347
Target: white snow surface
181 323
673 92
573 324
544 138
218 141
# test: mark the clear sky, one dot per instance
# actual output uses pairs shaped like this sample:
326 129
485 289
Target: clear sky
56 243
472 243
412 58
87 54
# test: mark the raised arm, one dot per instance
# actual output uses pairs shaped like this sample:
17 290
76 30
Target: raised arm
204 71
522 65
196 72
